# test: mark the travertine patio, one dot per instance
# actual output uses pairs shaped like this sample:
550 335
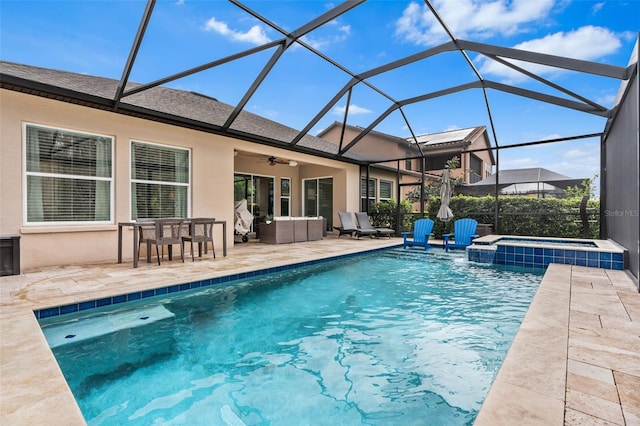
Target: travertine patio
575 360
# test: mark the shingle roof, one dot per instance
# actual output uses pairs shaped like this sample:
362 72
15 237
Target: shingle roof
178 107
519 176
527 175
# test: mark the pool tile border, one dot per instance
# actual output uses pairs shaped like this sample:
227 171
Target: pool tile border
174 288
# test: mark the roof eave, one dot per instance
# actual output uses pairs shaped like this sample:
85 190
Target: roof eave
35 88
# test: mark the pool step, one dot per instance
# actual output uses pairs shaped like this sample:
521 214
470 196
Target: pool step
76 332
123 335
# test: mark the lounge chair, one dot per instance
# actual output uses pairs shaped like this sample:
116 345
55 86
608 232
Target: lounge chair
421 233
365 224
464 231
349 226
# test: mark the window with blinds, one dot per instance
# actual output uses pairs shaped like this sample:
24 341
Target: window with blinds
160 181
386 192
69 176
367 197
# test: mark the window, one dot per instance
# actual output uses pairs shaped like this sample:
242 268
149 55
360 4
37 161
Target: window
364 200
408 161
475 169
285 197
69 176
386 192
439 162
160 181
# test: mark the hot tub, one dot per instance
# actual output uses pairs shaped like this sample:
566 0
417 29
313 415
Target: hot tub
539 252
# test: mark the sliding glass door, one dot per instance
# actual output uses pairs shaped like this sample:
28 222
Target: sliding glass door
318 199
258 191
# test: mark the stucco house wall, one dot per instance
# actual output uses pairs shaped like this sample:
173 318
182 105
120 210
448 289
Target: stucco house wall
212 170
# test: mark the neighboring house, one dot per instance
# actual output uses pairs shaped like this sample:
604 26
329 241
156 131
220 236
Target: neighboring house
531 182
469 145
74 164
383 177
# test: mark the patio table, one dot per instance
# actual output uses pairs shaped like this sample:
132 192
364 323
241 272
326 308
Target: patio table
137 225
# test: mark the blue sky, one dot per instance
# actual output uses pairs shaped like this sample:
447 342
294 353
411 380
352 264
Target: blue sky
94 37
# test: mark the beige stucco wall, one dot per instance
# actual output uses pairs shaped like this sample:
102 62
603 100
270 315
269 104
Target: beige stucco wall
212 168
372 145
487 163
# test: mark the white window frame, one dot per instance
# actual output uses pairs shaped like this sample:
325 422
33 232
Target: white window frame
380 197
177 184
26 173
371 196
302 194
285 197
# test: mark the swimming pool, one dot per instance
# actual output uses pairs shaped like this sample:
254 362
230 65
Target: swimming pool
393 337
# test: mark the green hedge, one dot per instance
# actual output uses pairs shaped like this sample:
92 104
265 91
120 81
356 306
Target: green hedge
542 217
384 215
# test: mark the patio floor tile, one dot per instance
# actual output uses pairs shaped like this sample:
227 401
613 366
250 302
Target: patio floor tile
579 339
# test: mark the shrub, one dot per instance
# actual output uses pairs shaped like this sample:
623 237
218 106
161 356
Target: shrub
384 215
527 216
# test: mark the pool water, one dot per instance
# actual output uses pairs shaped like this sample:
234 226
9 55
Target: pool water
388 338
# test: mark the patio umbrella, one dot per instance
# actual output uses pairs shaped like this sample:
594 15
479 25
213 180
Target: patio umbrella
445 214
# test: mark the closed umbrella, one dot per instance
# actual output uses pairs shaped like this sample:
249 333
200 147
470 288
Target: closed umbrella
444 213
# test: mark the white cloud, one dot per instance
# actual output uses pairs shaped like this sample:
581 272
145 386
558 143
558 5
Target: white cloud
255 35
469 19
578 161
320 43
596 8
574 153
587 43
606 99
517 163
550 137
353 110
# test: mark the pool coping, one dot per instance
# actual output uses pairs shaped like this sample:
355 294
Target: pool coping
34 390
572 361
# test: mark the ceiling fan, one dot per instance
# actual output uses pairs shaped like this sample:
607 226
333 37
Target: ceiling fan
273 161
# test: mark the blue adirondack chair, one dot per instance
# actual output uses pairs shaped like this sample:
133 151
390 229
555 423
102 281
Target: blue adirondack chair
421 232
464 231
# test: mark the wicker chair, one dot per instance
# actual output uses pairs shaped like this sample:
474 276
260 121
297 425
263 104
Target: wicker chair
146 233
167 233
201 232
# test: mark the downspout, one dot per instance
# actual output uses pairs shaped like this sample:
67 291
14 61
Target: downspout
603 234
367 189
423 167
398 230
496 204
